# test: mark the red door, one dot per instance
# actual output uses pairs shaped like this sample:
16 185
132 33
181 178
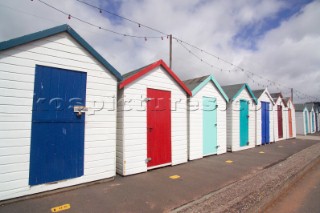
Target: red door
280 130
158 127
290 123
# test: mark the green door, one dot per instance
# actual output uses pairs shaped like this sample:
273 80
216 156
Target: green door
209 126
244 123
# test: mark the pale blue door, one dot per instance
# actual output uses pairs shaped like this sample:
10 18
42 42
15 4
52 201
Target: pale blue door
209 126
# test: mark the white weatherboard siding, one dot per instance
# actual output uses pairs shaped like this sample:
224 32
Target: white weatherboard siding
233 122
196 121
276 135
132 121
300 121
16 96
265 98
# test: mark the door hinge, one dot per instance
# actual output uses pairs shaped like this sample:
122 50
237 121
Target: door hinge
148 160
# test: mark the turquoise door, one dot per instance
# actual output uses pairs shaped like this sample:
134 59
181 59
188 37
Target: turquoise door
306 121
209 126
244 123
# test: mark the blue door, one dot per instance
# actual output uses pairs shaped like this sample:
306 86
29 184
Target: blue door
306 121
209 126
244 123
57 135
265 122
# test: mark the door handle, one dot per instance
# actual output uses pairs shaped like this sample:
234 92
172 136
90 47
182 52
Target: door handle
216 124
79 110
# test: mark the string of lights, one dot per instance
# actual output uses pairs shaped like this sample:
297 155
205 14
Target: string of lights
70 16
235 68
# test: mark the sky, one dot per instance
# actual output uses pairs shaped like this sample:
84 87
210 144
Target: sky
277 40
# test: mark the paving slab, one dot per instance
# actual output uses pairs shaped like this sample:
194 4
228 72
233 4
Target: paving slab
154 191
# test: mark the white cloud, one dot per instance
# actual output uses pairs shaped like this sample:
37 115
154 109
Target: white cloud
286 53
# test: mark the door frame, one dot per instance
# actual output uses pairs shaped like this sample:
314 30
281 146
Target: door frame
247 124
148 135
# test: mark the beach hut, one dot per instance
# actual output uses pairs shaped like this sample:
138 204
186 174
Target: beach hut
279 117
152 119
264 117
291 118
316 113
312 120
302 119
54 133
240 117
206 117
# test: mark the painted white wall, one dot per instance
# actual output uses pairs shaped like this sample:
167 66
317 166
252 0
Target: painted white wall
132 121
196 121
265 98
16 96
279 102
300 123
233 122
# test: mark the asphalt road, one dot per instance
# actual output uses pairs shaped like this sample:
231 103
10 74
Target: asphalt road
303 197
154 191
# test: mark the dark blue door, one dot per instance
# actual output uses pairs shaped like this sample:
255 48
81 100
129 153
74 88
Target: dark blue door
265 123
57 135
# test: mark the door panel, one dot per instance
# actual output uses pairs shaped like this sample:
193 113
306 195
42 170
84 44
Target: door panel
280 124
290 123
57 135
158 127
306 121
209 126
244 123
265 123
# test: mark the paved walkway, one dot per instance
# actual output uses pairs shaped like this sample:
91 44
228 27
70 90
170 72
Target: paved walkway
154 191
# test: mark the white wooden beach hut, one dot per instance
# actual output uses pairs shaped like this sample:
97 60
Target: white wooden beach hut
206 117
53 133
152 119
302 119
264 117
241 122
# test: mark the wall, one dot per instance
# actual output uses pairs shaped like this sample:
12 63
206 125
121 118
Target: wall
17 70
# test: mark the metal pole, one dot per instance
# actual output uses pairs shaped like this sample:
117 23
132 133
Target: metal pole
292 95
170 52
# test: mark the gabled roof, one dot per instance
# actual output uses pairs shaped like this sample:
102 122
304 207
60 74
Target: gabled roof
286 101
134 75
259 92
277 95
309 106
196 84
233 91
299 107
56 30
